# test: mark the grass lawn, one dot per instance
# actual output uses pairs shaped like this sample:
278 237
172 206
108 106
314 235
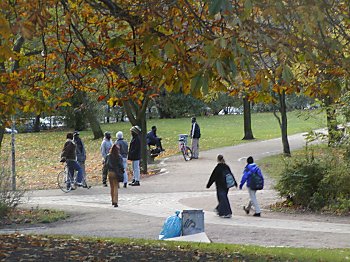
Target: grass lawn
18 247
38 154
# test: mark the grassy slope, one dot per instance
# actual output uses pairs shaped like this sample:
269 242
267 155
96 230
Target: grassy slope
37 154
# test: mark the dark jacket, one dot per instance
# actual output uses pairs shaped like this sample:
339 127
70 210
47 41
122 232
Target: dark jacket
135 148
152 138
80 150
123 147
115 163
195 131
68 151
218 176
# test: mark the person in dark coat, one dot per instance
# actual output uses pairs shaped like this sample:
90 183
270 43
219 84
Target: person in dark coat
195 134
134 154
115 169
80 151
153 139
218 176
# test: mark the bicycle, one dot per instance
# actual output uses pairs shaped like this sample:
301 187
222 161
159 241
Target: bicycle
67 183
185 150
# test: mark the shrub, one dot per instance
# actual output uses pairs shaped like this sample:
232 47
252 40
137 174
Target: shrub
9 199
318 180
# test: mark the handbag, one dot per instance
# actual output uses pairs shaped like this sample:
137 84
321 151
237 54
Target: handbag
230 180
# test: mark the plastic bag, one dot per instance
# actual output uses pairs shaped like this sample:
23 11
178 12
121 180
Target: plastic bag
172 227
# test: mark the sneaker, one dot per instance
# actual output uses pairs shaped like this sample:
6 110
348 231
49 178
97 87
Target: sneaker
256 215
226 216
79 184
132 182
104 184
246 210
115 205
137 183
125 185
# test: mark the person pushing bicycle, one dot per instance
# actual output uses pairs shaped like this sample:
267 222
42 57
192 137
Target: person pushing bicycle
69 155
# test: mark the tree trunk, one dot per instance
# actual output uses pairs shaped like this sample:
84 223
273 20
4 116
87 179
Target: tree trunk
283 124
93 120
144 145
333 132
137 116
248 133
2 132
37 124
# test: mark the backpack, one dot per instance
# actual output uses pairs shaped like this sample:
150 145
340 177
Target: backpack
256 181
230 180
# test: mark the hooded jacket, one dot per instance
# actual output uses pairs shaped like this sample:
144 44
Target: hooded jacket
248 171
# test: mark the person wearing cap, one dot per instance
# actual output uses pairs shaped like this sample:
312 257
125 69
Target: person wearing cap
80 151
153 139
195 134
105 147
134 154
123 147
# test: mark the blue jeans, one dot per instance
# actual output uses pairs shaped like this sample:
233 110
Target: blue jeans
72 166
125 164
136 169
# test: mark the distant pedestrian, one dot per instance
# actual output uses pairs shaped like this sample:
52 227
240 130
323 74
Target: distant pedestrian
105 147
251 169
123 146
218 176
69 156
80 151
135 154
195 135
115 170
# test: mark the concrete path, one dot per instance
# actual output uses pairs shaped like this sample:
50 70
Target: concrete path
181 186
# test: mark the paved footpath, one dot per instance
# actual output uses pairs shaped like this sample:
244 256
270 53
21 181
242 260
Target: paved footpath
181 186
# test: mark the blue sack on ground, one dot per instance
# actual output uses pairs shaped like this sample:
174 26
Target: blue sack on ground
172 227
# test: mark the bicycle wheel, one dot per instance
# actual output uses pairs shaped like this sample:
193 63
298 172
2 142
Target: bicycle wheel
187 153
64 182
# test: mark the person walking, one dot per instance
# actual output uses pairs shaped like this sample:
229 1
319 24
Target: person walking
134 154
80 152
218 176
105 148
115 170
69 156
250 169
195 135
123 146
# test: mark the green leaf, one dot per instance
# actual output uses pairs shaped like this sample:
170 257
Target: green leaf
169 49
215 6
287 74
196 82
220 68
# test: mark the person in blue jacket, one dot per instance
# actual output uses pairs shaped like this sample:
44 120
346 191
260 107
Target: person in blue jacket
251 168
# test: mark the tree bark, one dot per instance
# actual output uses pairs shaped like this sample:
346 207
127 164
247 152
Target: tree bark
248 133
93 120
333 132
137 116
284 124
37 123
2 132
